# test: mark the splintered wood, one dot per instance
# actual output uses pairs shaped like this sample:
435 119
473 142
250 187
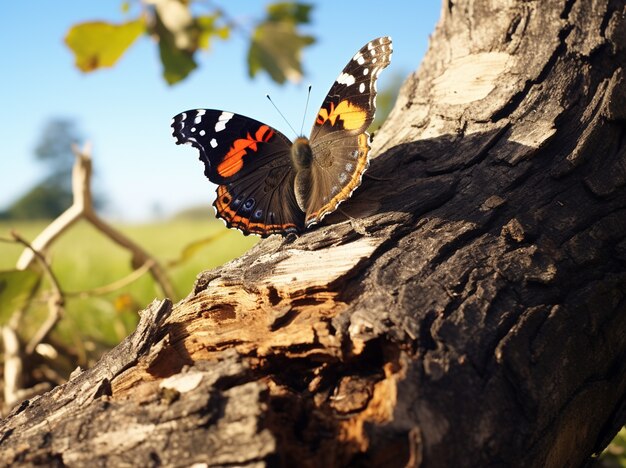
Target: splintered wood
287 313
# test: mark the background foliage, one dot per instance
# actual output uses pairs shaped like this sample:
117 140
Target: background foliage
180 31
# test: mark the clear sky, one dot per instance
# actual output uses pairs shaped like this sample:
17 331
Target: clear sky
125 111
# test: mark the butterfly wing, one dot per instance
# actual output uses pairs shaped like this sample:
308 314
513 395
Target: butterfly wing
250 162
339 138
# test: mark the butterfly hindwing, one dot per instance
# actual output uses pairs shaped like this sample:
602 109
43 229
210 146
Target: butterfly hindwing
339 138
251 164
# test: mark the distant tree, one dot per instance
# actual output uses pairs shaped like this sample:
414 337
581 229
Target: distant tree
45 200
52 195
55 148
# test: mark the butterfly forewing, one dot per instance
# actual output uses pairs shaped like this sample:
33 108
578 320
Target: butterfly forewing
339 138
251 164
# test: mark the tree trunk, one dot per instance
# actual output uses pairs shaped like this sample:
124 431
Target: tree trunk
471 312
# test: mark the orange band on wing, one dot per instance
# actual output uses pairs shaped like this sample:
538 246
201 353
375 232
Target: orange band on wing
352 116
233 161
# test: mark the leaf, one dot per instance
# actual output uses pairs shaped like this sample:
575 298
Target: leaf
180 35
16 287
276 48
98 44
289 11
174 18
176 46
206 28
177 63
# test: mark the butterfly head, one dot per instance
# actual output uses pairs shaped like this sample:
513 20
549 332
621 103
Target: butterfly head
301 154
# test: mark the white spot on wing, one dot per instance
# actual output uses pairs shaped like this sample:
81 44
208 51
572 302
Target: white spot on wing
366 71
199 115
213 143
222 120
202 133
343 177
370 46
349 166
346 78
362 88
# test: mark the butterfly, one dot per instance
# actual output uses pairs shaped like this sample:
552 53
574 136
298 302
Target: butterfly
267 184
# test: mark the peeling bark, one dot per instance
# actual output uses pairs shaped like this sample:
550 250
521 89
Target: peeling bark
471 312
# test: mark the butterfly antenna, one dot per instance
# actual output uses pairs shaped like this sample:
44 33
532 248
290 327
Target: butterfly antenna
281 114
306 107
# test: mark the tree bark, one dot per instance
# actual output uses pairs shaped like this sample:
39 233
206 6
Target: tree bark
471 311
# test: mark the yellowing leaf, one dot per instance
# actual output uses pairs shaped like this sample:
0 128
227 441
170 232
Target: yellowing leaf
276 48
16 287
99 44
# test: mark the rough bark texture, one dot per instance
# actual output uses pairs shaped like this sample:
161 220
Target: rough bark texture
472 313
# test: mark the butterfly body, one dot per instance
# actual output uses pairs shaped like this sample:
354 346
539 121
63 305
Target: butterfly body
270 185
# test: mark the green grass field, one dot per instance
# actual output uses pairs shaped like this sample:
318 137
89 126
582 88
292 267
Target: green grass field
83 259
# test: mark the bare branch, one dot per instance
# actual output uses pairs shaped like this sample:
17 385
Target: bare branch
56 300
82 208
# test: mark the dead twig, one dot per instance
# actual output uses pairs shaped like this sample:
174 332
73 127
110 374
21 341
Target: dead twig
56 299
82 208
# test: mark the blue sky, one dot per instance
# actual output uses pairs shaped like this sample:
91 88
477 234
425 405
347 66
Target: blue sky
125 111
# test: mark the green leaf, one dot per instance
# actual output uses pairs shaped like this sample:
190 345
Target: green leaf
177 63
206 28
289 11
180 35
276 48
175 49
16 287
98 44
